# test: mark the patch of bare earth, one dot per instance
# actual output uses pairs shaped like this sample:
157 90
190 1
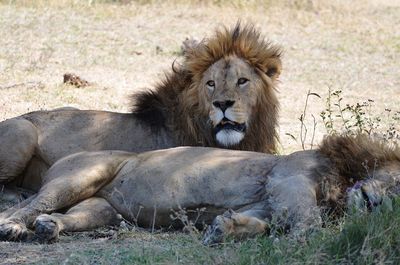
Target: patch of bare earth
120 49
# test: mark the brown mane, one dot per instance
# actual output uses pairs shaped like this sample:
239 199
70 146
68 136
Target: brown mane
176 104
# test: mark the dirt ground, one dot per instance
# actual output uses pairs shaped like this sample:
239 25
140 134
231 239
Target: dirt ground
122 48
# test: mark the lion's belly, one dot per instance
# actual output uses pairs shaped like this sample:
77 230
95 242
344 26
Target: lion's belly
154 183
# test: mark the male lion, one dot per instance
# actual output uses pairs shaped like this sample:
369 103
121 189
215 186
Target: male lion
223 95
240 190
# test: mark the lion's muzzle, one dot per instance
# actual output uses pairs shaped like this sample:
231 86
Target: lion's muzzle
227 124
228 133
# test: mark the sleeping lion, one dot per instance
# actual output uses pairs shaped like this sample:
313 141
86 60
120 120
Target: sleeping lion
240 191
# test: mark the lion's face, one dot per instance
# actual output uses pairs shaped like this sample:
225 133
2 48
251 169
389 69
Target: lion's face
231 100
230 88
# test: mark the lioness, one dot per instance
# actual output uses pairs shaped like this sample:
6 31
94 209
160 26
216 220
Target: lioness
240 190
223 95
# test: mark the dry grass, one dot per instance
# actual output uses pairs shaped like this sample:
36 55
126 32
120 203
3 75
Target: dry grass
125 47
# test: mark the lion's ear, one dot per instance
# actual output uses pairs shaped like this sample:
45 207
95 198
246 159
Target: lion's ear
272 72
274 68
189 45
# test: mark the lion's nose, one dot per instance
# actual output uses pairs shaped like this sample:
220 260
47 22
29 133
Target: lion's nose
223 105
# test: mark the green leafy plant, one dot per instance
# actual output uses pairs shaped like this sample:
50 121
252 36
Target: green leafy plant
341 117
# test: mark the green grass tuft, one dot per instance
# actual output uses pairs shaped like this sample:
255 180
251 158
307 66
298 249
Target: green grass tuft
361 238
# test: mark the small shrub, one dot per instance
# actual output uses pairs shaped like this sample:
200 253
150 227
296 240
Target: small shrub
340 117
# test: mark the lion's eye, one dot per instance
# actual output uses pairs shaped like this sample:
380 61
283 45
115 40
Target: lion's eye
242 81
210 85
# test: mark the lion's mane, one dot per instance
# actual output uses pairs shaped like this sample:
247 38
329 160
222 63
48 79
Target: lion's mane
177 104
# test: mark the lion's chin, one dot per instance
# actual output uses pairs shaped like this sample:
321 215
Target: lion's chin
229 137
229 133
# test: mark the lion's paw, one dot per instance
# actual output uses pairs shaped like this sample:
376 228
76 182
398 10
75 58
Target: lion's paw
46 228
214 234
365 194
12 231
219 229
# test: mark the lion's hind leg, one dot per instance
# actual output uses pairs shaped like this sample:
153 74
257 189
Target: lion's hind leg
88 214
18 140
237 225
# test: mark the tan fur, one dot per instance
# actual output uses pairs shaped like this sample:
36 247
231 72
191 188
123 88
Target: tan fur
241 191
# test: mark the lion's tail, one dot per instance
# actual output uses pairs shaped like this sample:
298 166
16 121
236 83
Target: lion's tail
357 157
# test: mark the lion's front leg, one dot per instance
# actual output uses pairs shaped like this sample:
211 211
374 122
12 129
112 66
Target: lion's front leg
10 211
88 214
49 199
12 229
69 181
14 226
237 225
